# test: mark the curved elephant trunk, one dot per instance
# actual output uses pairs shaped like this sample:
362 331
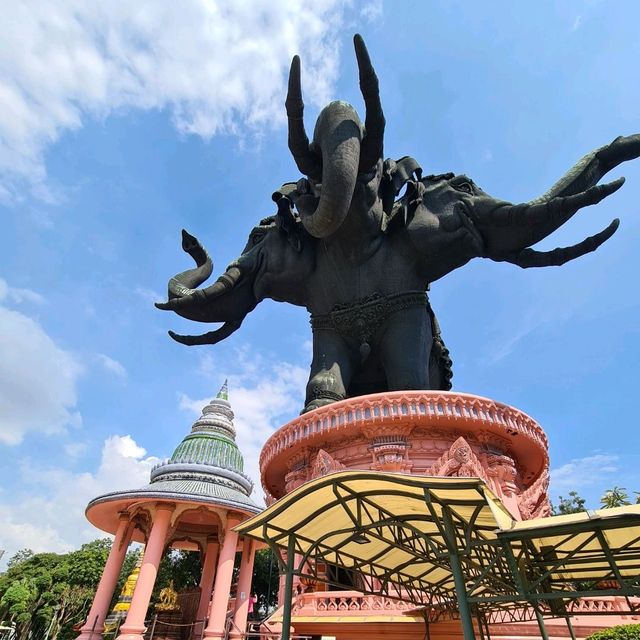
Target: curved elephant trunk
338 134
184 296
342 147
184 283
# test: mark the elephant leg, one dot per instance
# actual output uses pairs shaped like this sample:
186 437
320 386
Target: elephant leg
405 346
331 369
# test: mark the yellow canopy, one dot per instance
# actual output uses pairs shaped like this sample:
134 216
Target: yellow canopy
405 535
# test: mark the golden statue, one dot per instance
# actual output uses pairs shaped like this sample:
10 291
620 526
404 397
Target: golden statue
120 610
168 599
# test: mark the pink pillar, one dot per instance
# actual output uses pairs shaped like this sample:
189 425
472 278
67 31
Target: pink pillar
133 627
108 581
222 587
244 589
206 580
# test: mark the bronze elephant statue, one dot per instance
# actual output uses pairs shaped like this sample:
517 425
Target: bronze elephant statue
360 257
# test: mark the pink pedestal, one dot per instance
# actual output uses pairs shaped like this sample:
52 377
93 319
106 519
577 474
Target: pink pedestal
434 433
94 625
431 433
133 628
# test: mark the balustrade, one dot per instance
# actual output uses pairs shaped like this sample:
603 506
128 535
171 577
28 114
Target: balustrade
435 406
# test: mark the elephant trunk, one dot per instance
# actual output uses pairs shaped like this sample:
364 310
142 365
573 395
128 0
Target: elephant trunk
184 283
338 135
184 296
341 149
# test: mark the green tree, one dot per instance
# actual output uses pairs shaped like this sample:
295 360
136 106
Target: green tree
616 497
265 579
183 567
45 594
20 556
573 504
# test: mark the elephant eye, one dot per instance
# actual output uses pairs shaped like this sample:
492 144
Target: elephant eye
465 187
257 238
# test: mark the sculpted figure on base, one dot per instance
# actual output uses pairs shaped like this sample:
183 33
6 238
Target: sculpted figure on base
360 258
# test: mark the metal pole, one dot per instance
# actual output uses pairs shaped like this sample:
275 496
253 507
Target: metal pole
288 588
427 625
93 628
543 630
153 627
479 619
458 577
572 633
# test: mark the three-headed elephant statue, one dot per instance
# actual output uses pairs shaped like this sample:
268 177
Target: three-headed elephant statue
360 257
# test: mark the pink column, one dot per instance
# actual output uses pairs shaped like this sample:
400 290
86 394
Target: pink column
206 581
133 627
222 587
108 581
244 589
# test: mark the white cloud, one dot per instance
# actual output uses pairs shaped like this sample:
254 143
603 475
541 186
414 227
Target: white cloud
111 365
211 64
263 396
76 450
372 10
38 379
584 472
50 516
149 295
13 294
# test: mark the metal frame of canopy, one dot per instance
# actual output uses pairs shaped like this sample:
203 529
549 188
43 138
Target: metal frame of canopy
450 547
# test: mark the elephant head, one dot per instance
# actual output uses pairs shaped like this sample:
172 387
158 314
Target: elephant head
344 157
451 220
274 263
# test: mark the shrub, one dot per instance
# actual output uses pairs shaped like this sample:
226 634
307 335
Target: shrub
622 632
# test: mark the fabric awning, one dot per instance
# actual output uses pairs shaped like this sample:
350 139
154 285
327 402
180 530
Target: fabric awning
407 535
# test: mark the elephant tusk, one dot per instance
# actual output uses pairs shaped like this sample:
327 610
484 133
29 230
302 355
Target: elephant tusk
211 337
308 163
372 144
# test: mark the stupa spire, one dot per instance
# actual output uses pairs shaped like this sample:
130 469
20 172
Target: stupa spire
223 394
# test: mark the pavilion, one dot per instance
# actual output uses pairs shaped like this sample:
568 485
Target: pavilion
451 548
193 501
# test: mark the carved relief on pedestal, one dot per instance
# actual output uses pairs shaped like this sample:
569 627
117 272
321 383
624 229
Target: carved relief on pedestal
502 469
389 447
324 464
389 453
294 479
534 502
298 466
459 461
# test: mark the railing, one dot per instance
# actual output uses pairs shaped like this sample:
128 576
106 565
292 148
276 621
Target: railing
346 602
438 408
191 630
604 605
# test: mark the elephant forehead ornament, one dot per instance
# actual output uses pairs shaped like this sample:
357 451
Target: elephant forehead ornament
360 258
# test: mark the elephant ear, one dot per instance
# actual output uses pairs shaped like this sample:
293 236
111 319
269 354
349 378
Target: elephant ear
395 175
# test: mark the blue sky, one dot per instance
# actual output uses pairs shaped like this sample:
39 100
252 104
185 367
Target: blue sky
121 124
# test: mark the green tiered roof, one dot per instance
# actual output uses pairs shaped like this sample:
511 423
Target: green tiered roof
212 438
206 466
